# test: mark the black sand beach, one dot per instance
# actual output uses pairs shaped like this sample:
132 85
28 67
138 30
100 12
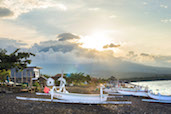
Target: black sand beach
9 104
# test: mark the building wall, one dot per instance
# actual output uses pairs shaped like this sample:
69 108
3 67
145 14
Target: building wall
36 72
27 72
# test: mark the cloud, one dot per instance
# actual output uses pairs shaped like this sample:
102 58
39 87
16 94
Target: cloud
5 42
149 59
4 12
60 47
54 56
19 7
163 59
144 54
75 59
10 44
111 45
131 54
54 51
67 36
145 3
142 58
93 62
94 9
165 20
113 16
163 6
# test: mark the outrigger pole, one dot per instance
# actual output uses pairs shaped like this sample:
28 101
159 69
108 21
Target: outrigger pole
75 102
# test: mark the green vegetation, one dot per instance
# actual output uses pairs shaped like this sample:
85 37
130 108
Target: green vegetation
36 84
18 60
82 79
78 78
46 76
24 86
3 75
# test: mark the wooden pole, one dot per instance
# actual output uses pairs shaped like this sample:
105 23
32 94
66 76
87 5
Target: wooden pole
15 78
26 76
52 94
101 92
22 76
30 79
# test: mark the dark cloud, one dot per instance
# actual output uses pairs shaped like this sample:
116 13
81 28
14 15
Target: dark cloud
145 54
157 58
67 36
56 46
4 12
114 45
131 54
61 48
111 45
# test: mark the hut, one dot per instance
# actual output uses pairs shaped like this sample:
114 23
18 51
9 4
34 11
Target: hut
50 82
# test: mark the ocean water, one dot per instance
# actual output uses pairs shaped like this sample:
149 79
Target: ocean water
163 87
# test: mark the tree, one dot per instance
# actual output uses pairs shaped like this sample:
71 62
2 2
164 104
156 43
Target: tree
18 60
77 78
112 78
88 78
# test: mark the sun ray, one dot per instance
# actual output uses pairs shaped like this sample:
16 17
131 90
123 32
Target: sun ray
96 40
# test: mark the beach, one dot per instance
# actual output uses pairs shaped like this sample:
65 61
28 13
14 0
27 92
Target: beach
9 104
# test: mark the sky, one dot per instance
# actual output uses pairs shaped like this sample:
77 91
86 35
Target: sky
77 34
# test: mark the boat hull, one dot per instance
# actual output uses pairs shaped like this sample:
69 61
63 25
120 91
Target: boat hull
159 97
133 92
79 97
110 90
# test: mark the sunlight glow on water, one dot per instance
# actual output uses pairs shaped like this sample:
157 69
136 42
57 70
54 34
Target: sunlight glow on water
164 87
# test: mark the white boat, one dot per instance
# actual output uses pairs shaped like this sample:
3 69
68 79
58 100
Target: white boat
133 91
61 93
78 97
66 97
110 90
159 96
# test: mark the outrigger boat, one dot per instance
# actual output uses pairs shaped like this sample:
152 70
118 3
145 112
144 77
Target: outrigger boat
127 89
111 90
75 98
61 93
78 97
133 91
66 97
158 98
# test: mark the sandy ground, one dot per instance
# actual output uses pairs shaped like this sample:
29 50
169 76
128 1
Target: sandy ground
10 105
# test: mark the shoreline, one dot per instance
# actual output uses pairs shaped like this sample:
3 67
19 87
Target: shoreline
152 80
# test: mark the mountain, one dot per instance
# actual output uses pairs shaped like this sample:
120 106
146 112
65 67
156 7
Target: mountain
120 70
